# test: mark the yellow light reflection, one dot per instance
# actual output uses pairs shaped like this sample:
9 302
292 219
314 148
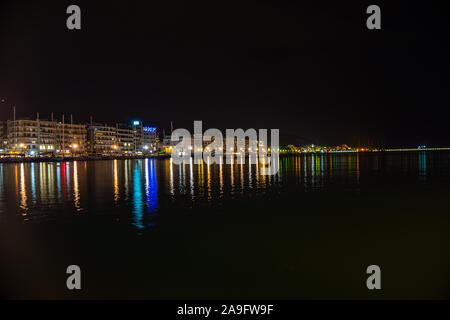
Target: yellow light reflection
221 176
191 177
250 172
23 190
116 182
242 176
209 180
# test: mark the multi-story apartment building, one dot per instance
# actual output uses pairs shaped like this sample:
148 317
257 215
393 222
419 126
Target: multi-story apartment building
102 139
17 135
3 137
71 138
122 138
2 128
146 138
48 137
23 136
45 136
149 139
125 138
41 136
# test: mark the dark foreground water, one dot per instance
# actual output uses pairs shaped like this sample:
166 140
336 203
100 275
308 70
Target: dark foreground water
149 229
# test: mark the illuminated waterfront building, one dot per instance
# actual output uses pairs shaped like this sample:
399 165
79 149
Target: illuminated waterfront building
125 138
146 138
40 136
3 137
71 138
102 139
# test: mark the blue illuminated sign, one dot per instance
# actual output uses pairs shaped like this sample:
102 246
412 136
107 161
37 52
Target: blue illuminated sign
136 123
150 129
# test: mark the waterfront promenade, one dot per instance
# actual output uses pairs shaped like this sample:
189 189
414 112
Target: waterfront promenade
18 159
79 158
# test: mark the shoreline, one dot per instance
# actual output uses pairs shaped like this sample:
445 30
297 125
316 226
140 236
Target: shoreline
79 158
165 156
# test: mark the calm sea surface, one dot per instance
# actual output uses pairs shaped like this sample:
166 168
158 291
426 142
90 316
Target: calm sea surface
150 229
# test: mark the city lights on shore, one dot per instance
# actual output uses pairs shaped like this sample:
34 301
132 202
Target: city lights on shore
42 137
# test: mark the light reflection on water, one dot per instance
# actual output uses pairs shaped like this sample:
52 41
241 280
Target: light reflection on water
139 189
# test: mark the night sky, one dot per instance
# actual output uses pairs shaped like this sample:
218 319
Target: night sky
311 69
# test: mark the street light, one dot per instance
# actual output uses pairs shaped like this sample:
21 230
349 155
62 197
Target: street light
74 148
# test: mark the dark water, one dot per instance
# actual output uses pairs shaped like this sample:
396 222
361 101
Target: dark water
149 229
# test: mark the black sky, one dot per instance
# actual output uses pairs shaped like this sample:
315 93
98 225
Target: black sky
310 68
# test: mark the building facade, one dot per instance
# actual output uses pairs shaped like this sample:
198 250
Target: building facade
125 138
102 139
71 138
146 138
38 136
3 137
121 138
